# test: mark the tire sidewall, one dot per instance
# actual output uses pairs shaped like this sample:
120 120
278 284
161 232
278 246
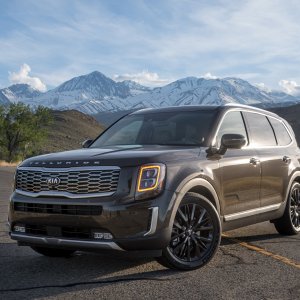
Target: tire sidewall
288 207
191 198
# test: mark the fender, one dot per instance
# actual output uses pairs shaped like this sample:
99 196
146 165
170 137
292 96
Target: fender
183 188
292 179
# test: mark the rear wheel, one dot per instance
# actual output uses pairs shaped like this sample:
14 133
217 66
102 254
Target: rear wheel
289 223
53 252
196 234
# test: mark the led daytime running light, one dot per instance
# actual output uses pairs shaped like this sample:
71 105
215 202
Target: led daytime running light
156 178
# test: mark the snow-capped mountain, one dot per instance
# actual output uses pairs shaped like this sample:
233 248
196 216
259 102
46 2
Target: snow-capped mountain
90 93
94 93
115 103
201 91
82 89
3 99
18 92
136 88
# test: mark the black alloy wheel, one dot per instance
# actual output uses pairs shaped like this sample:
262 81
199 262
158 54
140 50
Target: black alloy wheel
289 223
195 234
295 207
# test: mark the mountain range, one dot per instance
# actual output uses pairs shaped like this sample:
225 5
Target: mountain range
95 93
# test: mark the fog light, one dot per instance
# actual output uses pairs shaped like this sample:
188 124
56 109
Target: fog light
103 236
19 228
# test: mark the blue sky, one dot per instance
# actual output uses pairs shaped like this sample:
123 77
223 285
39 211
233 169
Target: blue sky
153 42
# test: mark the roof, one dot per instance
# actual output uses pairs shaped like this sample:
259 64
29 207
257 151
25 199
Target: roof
176 108
200 107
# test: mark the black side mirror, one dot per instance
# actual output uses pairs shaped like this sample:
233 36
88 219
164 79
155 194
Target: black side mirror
86 143
232 141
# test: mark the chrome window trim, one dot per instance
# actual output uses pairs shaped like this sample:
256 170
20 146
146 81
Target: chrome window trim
249 146
287 129
214 140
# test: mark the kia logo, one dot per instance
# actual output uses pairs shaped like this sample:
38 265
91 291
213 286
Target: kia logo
53 181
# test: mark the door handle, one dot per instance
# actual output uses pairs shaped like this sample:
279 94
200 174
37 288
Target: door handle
286 159
254 161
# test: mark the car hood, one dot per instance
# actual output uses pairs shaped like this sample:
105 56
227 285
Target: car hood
114 156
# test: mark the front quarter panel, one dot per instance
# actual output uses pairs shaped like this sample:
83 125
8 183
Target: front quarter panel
189 175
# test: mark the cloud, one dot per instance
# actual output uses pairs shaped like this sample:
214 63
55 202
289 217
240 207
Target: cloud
144 77
175 37
209 76
290 87
262 86
23 77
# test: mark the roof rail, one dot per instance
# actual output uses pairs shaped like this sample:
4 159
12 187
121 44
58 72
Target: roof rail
251 107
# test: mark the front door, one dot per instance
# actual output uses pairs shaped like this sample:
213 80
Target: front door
239 169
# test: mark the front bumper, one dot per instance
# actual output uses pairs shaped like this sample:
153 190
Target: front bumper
63 243
134 225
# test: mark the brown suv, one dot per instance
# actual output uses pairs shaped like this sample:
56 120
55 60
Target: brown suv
163 180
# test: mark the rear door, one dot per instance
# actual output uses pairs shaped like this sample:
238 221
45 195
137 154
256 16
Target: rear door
273 156
240 174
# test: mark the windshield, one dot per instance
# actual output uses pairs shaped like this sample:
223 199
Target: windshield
188 128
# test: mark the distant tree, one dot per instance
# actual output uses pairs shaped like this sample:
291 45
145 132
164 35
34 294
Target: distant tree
22 130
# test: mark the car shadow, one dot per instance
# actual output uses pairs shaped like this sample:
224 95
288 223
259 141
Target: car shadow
25 273
265 238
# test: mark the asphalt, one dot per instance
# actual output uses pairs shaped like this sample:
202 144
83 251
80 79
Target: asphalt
252 263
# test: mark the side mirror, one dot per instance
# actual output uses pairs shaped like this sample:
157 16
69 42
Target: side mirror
232 141
86 143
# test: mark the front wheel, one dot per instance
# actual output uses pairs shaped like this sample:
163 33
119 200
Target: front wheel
289 223
53 252
196 234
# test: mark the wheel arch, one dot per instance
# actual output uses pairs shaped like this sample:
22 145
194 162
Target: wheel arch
294 177
196 185
199 186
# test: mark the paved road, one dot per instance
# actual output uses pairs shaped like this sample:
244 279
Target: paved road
257 264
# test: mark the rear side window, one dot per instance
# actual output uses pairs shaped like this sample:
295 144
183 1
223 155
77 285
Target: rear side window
233 123
282 135
260 129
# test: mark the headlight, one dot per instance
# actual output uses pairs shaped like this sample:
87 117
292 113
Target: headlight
150 181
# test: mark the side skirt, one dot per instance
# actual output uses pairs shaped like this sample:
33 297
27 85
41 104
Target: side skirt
253 216
251 212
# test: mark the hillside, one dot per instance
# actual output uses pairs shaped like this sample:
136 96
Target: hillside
69 129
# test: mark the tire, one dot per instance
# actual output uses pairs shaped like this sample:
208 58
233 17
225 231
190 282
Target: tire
289 223
53 252
196 234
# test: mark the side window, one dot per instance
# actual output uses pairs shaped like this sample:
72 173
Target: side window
282 135
232 123
260 129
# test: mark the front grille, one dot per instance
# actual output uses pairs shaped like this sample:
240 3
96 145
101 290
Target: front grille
73 182
76 210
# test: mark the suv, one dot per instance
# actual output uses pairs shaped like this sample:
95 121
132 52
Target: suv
166 181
